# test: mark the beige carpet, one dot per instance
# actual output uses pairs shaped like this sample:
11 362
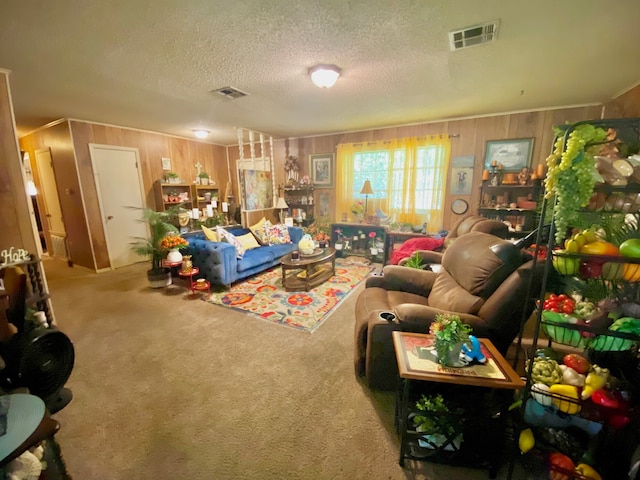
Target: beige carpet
171 388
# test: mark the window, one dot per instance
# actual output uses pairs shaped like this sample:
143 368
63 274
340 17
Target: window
408 178
388 177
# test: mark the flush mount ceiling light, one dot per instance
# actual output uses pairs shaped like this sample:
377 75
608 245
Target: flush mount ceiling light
324 76
201 134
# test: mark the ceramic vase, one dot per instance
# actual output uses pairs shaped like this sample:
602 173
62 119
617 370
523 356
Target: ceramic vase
174 256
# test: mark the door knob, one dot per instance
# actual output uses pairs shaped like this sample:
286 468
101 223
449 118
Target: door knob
109 217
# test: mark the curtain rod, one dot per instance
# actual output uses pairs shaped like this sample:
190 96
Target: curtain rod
384 142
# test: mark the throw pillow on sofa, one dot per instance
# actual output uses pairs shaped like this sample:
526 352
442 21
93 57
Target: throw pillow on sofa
277 234
210 234
258 231
231 238
248 241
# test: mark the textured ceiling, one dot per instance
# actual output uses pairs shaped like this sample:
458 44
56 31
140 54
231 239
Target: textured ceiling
153 64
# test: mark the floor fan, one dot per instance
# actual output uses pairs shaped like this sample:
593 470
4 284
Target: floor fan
40 359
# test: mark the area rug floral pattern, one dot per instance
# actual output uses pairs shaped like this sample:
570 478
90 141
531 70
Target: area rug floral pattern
263 296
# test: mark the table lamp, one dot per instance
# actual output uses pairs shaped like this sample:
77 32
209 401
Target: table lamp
366 191
282 206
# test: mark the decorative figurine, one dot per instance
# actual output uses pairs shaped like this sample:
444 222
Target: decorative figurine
524 177
473 353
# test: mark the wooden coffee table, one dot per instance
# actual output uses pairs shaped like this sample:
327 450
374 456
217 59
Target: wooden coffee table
309 271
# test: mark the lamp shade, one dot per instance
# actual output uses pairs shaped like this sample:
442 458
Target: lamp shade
366 188
281 204
324 76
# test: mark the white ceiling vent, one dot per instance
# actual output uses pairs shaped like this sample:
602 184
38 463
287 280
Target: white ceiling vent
231 92
475 35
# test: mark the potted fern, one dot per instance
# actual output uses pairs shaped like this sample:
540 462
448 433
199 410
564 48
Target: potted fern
160 226
204 178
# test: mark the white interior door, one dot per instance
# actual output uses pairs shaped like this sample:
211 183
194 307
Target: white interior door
52 211
119 186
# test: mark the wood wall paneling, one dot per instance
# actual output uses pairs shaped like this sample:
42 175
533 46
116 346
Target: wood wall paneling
16 225
625 106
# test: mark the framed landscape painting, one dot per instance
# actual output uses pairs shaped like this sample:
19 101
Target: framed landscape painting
321 168
513 155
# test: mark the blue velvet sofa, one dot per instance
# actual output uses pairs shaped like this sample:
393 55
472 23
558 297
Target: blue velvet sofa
218 263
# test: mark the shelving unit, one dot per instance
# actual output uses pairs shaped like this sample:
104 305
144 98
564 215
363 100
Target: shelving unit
170 194
582 428
513 203
301 203
199 194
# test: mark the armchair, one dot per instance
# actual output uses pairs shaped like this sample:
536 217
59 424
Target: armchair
484 279
472 223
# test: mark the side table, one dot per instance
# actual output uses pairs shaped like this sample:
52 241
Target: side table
471 384
196 286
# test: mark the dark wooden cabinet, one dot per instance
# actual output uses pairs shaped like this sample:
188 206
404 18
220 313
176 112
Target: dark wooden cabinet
358 239
301 204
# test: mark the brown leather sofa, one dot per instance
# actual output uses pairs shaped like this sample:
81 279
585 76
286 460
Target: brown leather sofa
483 279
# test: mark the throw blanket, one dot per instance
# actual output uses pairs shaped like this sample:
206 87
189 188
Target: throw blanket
413 244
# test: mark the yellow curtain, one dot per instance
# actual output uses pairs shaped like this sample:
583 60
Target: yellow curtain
437 169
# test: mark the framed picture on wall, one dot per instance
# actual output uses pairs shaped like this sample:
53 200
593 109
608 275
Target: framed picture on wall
513 155
321 168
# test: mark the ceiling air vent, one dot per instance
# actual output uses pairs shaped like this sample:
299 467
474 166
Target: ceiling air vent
472 36
231 92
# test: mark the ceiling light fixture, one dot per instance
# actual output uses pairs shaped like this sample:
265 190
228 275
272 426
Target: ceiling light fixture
324 76
201 134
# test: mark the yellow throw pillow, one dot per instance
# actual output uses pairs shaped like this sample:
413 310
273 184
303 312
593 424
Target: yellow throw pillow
210 234
248 241
258 231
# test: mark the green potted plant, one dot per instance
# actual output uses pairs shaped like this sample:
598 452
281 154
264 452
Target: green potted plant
172 177
204 178
439 423
450 334
160 226
414 261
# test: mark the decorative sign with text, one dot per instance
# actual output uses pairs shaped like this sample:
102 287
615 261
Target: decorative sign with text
13 256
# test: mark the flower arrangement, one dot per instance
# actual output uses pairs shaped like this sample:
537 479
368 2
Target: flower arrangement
357 207
319 229
450 333
173 241
372 236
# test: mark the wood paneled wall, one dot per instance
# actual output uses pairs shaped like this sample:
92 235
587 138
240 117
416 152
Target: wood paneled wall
469 137
16 214
71 150
626 105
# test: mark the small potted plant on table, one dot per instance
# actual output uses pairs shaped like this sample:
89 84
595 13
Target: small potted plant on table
450 334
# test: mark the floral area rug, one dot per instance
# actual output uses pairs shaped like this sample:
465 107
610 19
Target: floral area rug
263 296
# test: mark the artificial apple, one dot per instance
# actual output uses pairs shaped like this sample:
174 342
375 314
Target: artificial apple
590 269
630 248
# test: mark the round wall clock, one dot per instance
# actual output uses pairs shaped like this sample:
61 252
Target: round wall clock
459 206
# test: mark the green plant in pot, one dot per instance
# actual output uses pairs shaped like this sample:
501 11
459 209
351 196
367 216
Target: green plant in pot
172 177
439 423
450 334
204 178
414 261
159 224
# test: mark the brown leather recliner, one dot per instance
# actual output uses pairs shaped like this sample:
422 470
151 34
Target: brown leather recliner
483 279
475 223
472 223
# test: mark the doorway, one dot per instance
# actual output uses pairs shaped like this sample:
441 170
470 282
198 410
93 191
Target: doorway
119 186
51 215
